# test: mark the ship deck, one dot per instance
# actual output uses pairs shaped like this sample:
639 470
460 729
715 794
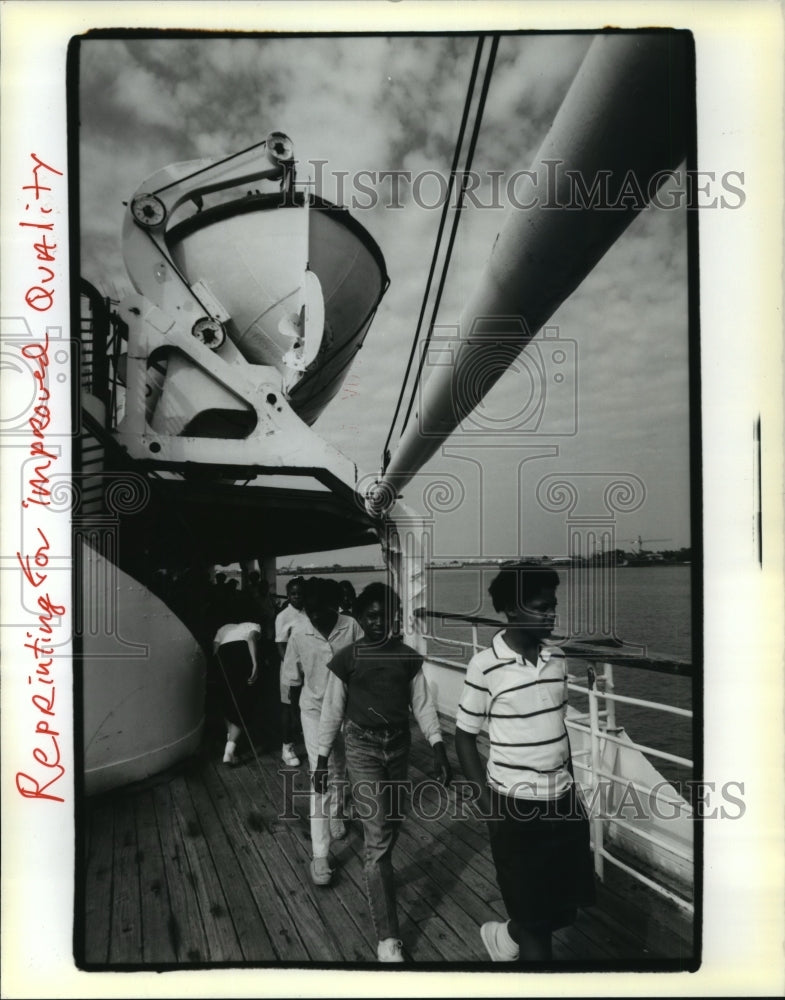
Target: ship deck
209 865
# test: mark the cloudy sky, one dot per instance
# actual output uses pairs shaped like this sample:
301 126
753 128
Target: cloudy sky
393 103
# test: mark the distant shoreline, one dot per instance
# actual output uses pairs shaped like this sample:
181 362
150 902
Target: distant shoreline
637 564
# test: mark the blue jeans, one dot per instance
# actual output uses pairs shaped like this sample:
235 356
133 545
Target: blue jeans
377 761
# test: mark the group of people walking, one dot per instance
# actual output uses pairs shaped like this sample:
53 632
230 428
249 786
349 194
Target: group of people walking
350 683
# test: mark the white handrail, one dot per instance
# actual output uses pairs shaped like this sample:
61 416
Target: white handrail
609 687
596 758
627 699
448 642
654 792
642 748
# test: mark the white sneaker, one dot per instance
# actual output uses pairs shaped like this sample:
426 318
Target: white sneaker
498 943
390 950
321 872
289 756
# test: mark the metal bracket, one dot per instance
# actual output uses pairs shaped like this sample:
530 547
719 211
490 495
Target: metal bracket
278 441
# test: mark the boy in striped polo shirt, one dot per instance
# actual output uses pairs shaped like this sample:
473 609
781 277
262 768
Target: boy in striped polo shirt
539 833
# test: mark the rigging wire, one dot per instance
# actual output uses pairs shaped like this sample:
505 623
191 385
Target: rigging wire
456 221
442 222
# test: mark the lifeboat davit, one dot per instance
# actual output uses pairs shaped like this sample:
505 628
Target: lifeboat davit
255 251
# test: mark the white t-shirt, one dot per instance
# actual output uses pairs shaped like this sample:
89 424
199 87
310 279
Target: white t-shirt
237 632
307 654
286 620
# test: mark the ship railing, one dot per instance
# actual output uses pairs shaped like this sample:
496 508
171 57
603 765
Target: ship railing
597 733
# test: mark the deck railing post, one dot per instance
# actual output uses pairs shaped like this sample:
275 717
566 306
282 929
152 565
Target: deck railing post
596 764
475 640
610 704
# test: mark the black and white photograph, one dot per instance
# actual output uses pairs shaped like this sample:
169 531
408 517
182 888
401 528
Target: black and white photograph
252 419
390 487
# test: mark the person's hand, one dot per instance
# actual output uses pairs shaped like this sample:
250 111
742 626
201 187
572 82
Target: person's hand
488 807
443 769
320 775
477 797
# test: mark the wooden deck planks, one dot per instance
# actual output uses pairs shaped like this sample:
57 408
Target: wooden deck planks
96 924
184 922
200 867
467 836
219 836
222 942
289 871
156 909
452 865
340 915
433 939
125 944
349 877
246 825
448 897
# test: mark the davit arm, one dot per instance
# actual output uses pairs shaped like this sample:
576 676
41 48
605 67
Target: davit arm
181 363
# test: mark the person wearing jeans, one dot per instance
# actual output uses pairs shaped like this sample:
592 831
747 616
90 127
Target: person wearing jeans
372 684
378 761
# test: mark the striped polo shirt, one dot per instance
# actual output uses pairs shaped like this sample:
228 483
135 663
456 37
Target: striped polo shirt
525 706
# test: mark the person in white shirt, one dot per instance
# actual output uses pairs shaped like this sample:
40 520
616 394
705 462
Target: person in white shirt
311 646
235 648
286 619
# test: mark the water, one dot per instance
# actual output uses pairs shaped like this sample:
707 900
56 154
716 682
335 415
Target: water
649 606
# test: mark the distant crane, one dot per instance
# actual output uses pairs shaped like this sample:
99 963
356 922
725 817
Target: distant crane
638 543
